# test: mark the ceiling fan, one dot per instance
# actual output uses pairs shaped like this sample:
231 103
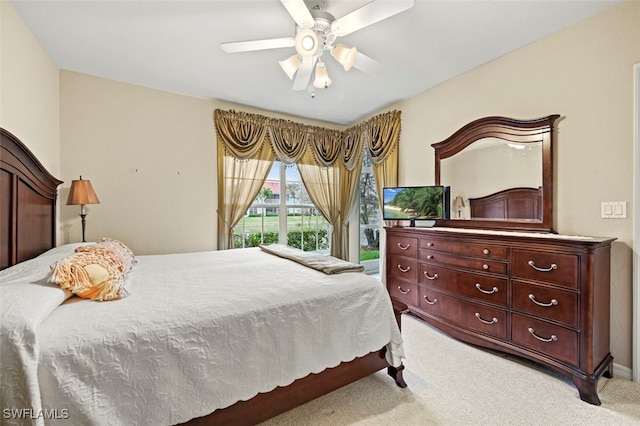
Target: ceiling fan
316 33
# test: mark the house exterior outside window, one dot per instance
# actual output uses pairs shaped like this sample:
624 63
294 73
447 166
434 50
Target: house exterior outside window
301 225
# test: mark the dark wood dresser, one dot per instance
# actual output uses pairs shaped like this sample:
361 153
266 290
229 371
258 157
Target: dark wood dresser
544 297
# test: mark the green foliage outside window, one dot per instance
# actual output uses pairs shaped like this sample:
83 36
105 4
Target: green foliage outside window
293 239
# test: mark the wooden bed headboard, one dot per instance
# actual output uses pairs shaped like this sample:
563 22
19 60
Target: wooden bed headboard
514 203
28 208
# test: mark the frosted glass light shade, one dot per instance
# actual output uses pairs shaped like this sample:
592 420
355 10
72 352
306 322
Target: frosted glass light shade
344 55
290 65
306 42
322 80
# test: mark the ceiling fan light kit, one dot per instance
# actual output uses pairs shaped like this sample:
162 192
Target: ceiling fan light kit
291 65
306 42
322 79
344 55
316 31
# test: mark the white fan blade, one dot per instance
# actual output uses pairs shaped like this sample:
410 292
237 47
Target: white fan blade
369 14
368 65
299 12
246 46
304 73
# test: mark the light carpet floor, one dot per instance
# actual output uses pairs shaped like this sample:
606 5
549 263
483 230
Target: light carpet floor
452 383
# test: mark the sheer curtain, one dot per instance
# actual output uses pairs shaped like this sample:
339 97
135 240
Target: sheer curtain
329 161
244 162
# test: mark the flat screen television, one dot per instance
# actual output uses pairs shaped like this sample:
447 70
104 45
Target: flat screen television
416 203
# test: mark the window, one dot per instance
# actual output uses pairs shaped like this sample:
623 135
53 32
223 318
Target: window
369 212
302 226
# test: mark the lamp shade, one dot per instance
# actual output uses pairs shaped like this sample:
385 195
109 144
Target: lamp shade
290 65
82 193
322 79
344 55
458 202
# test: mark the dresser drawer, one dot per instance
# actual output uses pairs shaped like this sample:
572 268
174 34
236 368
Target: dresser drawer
556 268
403 268
484 319
487 251
404 292
551 303
476 286
471 264
435 302
550 339
403 246
481 318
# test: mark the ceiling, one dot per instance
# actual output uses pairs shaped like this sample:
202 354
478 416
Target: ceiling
175 46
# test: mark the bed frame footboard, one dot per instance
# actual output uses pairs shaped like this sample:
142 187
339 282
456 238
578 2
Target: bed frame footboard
267 405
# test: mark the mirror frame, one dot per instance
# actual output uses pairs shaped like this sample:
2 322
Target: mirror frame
512 130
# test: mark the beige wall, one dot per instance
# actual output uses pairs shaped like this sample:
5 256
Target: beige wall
151 157
29 101
584 73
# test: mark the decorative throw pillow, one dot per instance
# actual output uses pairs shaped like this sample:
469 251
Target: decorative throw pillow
95 272
118 247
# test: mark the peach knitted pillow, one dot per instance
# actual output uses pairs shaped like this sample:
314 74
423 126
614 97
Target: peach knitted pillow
95 272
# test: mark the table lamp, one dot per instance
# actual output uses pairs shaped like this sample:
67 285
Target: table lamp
82 193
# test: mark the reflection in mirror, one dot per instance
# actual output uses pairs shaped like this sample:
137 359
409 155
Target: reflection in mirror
489 166
500 171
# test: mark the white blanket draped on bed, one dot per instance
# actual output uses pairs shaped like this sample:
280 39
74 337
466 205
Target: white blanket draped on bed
198 332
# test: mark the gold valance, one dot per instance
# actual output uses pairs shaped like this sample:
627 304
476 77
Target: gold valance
243 134
288 140
383 135
351 148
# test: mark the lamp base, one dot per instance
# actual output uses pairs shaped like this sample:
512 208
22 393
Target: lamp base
84 225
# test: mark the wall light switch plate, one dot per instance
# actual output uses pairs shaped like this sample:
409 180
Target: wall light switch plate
613 209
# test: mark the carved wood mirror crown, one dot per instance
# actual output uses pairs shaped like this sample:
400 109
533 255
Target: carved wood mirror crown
500 170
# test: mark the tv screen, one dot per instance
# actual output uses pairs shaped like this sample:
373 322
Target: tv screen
416 203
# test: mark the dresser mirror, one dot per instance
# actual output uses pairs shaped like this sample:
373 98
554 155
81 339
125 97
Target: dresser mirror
500 171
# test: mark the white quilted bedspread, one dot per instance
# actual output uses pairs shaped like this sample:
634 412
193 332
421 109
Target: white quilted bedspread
198 332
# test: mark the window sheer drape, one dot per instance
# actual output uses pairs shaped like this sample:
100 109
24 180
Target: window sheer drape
329 161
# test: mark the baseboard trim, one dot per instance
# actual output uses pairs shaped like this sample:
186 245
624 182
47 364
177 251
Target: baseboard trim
622 371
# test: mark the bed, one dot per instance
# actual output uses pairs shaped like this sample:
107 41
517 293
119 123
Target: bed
513 203
225 337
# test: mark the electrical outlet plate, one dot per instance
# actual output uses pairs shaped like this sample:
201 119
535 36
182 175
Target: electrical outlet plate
613 209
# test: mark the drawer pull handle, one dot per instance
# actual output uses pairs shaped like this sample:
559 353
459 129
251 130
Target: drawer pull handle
403 291
485 266
401 247
429 244
493 321
553 337
493 290
552 303
429 257
434 277
485 251
549 269
407 269
426 299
